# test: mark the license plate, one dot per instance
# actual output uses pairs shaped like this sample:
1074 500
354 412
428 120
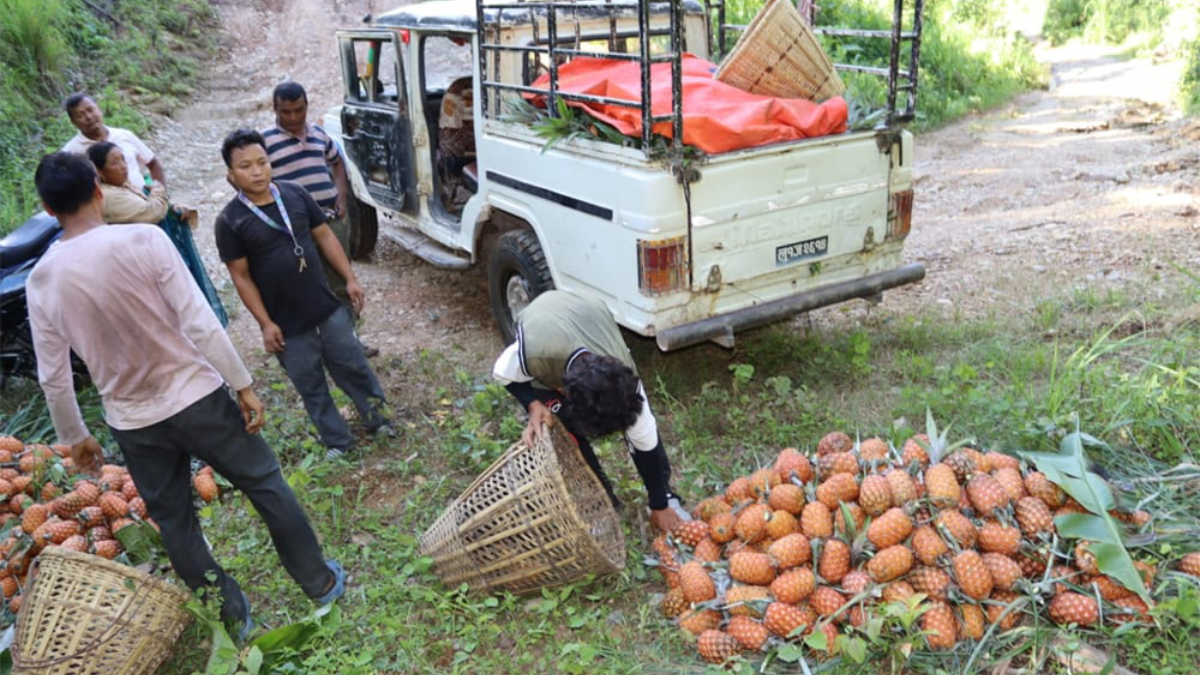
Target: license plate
801 250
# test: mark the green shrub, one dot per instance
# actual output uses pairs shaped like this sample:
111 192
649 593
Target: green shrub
1104 21
1189 85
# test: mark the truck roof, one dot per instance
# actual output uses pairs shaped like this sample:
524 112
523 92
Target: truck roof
461 14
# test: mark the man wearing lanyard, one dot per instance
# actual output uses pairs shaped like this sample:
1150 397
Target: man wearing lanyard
272 237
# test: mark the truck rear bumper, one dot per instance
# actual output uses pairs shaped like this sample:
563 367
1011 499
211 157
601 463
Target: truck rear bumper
721 328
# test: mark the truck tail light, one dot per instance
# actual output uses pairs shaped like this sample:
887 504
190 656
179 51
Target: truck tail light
662 265
900 214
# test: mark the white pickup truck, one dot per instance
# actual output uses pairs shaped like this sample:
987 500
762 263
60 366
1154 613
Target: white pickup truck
682 251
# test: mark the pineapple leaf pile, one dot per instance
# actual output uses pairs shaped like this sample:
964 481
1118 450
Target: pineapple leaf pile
866 550
45 503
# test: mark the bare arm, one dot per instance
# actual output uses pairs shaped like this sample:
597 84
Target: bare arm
239 271
332 251
338 169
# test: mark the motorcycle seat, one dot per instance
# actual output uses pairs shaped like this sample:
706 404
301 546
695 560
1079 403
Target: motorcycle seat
29 240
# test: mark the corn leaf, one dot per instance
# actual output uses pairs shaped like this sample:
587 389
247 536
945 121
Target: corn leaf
1068 469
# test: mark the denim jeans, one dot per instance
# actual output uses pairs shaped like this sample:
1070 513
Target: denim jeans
333 346
212 430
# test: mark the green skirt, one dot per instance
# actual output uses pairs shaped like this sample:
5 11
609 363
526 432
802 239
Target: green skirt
181 236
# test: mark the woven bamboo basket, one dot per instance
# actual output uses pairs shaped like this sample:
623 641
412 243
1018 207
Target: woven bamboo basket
84 615
778 55
536 518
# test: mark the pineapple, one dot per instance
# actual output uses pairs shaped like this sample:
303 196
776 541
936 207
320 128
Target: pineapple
75 542
928 545
996 537
856 581
668 558
35 515
111 548
707 550
739 490
972 622
958 528
11 445
721 528
857 516
1041 487
940 626
790 551
1034 516
834 441
997 461
1190 564
931 581
873 449
964 462
1085 560
904 490
889 529
697 621
837 462
114 505
914 450
827 601
942 486
834 562
972 574
749 633
891 563
747 600
831 640
691 532
840 487
816 521
1129 608
750 567
786 497
793 466
897 591
986 493
1004 570
875 494
696 582
794 585
1108 588
1012 482
751 524
780 524
672 604
709 508
1074 608
783 619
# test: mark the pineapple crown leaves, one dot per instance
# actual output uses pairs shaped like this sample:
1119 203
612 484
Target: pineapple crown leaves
939 444
1068 469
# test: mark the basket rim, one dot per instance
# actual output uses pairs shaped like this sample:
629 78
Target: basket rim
116 568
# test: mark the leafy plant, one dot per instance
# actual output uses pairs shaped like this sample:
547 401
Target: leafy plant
279 650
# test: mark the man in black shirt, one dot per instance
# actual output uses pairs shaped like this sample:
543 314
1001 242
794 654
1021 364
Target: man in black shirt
272 237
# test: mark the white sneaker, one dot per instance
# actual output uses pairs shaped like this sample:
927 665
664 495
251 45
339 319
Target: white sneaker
674 505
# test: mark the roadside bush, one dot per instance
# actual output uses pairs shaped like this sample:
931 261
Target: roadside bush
1189 87
1104 21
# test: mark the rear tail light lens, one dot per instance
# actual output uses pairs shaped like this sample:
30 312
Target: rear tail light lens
899 214
662 265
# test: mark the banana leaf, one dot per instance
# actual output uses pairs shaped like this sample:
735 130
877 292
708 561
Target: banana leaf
1068 469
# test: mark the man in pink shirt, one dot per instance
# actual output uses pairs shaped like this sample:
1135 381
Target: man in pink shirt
122 299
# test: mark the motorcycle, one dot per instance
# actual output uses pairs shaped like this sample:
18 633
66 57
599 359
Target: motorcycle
19 252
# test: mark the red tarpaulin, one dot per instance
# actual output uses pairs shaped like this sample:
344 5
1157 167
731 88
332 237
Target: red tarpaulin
716 116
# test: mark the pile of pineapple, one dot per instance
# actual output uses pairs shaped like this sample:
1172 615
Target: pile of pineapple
817 544
45 503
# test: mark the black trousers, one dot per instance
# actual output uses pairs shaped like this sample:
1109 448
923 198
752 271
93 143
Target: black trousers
212 430
553 401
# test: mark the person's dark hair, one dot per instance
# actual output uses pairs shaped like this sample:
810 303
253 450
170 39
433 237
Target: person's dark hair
601 395
289 91
98 153
74 100
65 181
240 138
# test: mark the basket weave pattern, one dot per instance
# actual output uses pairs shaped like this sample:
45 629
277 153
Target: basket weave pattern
779 55
84 615
536 518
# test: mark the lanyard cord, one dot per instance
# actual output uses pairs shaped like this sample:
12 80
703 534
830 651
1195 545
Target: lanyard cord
287 219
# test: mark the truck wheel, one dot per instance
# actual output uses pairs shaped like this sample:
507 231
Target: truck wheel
517 273
364 228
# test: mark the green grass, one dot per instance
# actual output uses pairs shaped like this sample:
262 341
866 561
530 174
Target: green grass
1010 382
55 47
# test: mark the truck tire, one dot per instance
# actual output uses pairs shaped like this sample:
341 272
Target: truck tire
363 225
517 273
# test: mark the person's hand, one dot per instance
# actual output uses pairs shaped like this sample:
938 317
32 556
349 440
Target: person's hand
252 409
87 455
539 417
339 206
665 519
272 338
358 297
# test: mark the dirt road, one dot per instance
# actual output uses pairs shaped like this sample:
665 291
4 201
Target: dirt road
1094 181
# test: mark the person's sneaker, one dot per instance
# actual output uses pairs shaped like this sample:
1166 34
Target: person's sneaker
385 430
339 583
244 624
336 453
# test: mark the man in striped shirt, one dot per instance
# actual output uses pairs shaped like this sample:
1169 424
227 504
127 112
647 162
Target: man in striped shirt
304 154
